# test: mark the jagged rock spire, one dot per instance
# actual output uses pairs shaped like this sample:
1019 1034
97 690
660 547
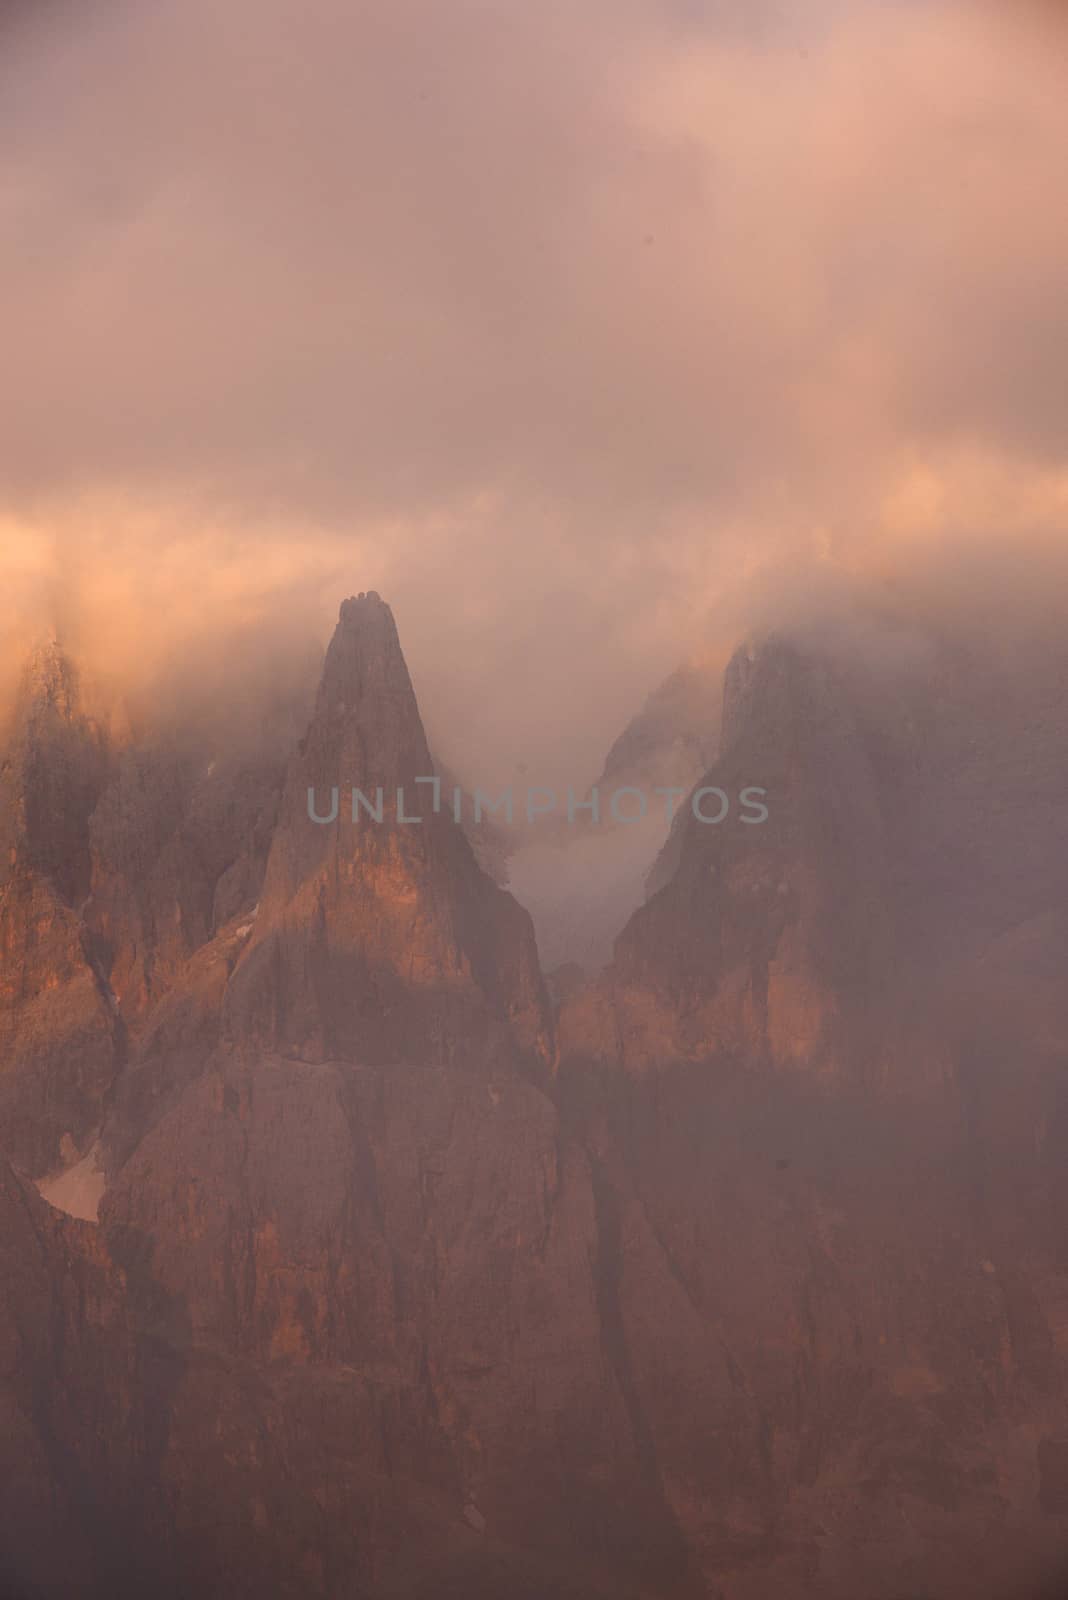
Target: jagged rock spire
52 774
380 938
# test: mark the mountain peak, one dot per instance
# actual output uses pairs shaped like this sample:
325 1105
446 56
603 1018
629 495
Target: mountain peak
369 618
362 604
52 774
49 680
411 947
366 725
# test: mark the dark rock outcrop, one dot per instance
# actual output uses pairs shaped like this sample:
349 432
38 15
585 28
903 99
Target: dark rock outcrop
179 846
60 1041
83 1389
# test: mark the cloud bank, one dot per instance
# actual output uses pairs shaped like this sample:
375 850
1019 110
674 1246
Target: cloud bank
587 333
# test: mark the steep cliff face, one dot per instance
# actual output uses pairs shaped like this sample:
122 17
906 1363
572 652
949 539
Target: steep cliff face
378 938
844 1330
53 773
60 1042
770 932
401 1265
81 1386
179 845
917 823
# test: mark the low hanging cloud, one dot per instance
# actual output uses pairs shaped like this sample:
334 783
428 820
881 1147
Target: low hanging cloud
588 334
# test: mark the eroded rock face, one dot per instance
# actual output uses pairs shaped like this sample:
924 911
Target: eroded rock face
765 939
60 1044
53 772
828 1336
907 817
179 846
439 1275
81 1391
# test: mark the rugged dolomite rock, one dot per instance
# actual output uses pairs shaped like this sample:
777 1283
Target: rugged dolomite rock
381 940
179 844
82 1393
761 1293
60 1042
764 940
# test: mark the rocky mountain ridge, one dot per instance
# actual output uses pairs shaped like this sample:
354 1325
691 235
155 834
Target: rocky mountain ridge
741 1273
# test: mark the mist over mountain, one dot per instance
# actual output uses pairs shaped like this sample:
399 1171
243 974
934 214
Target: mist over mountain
661 1202
587 357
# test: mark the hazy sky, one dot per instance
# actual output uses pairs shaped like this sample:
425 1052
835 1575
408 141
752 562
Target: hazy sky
585 330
